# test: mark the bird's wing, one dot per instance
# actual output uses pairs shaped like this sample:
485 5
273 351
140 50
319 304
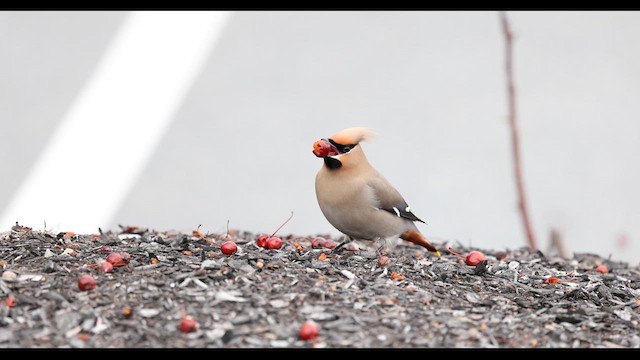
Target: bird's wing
389 199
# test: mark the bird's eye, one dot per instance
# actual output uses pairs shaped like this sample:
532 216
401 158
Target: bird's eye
346 149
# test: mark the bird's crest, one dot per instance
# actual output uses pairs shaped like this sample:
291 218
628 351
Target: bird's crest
353 135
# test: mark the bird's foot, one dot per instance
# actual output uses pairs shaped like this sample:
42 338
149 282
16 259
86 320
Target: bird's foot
381 247
340 248
346 240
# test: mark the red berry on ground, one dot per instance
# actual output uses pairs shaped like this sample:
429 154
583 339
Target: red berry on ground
309 331
602 269
188 325
229 247
115 259
330 244
106 267
351 247
552 280
318 242
474 258
105 249
262 240
274 242
86 282
383 261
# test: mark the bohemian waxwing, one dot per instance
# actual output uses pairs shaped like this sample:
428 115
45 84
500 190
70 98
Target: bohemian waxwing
356 199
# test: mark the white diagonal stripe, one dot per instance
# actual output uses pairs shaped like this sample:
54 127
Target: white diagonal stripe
95 155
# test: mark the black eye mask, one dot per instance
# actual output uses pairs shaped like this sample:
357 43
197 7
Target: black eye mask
343 149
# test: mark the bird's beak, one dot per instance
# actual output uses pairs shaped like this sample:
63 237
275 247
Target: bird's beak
323 148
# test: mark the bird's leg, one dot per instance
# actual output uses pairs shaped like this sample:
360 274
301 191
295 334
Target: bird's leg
381 251
339 249
382 248
343 243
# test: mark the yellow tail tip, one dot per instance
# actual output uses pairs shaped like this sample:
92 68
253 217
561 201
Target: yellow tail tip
436 253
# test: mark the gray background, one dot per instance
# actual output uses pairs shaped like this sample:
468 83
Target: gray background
431 84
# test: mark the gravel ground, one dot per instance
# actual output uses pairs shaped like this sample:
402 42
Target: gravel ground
260 298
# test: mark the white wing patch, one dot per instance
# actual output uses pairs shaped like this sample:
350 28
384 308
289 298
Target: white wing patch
396 210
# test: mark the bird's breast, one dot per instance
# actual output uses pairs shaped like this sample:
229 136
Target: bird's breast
349 204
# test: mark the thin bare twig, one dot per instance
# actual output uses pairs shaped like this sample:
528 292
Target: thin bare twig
515 139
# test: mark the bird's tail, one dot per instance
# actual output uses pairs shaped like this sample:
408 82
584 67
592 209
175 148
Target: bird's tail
417 238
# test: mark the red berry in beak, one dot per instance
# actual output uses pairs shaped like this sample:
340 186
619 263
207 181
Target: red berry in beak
321 148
